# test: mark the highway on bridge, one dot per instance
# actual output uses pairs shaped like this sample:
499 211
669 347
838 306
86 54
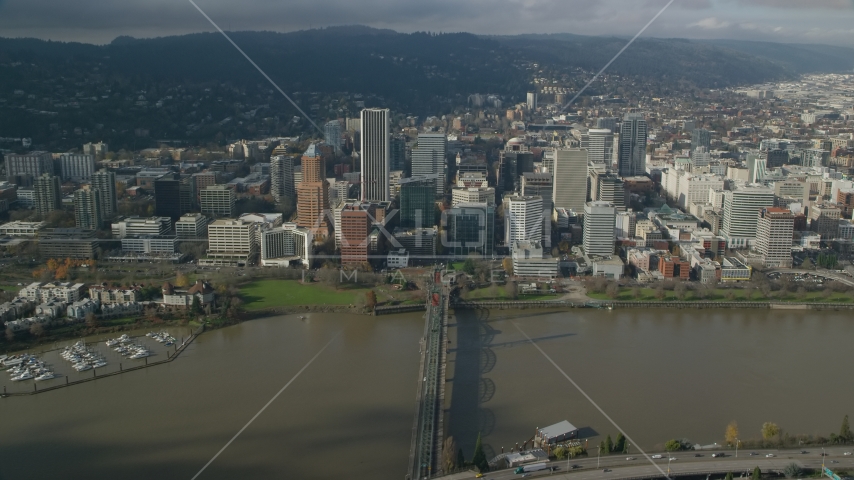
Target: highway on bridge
686 463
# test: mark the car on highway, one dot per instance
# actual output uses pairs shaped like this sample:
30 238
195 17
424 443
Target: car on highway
804 451
823 454
753 454
769 455
606 470
716 455
847 453
657 456
698 454
479 475
575 466
834 461
630 458
673 458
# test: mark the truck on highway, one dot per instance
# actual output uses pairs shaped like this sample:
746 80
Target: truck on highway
534 467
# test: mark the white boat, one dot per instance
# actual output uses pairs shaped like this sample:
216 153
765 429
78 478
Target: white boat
23 376
80 367
138 355
45 376
99 364
112 343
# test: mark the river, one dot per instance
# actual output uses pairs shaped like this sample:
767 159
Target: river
659 374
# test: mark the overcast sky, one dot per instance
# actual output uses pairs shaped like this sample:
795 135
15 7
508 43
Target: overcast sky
99 21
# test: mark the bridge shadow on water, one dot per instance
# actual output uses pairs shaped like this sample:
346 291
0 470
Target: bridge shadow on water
471 387
474 358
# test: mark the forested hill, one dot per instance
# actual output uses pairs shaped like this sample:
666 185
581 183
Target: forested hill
198 87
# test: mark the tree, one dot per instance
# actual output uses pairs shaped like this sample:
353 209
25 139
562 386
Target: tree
770 430
609 444
91 321
511 290
461 459
10 334
469 266
479 459
679 290
370 299
507 263
660 294
620 443
731 432
603 449
792 470
612 290
36 330
181 280
728 476
845 434
449 455
636 292
196 307
757 474
673 445
560 453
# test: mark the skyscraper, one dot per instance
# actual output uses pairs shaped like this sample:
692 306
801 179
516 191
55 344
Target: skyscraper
398 155
47 194
570 179
31 165
523 219
600 146
282 177
600 220
76 167
174 195
741 207
312 192
218 201
332 135
418 201
87 209
701 137
105 182
376 152
532 101
469 228
774 231
428 158
633 134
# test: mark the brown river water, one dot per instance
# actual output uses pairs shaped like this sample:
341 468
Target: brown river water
659 374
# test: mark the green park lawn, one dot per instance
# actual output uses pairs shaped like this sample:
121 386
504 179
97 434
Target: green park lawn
280 293
720 295
500 294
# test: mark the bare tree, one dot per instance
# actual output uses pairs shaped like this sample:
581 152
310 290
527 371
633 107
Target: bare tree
36 330
612 290
679 290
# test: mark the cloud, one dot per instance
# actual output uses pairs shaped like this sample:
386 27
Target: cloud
710 23
97 21
799 4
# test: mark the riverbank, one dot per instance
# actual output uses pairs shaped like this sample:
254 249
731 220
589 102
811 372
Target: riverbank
705 305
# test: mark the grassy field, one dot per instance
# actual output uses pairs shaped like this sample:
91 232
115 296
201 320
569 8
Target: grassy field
720 295
280 293
501 295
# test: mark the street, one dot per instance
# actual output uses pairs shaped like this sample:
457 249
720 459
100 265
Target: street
685 463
